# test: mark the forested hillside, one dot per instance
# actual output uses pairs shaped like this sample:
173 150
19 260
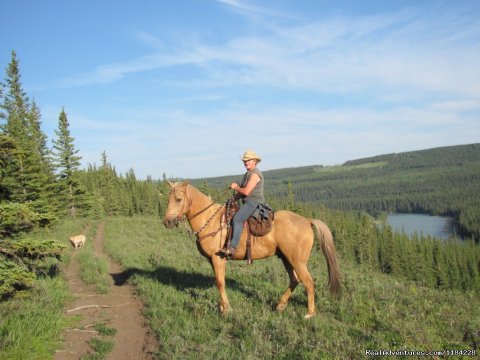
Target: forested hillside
443 181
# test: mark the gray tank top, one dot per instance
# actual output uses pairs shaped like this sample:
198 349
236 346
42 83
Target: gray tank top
257 192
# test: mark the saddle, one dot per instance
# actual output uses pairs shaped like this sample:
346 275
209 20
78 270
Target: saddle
258 225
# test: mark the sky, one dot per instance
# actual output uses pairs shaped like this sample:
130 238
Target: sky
183 88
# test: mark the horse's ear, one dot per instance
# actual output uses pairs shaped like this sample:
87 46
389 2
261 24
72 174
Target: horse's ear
170 183
185 183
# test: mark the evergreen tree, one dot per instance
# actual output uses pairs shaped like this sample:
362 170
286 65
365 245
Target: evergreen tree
91 182
15 101
292 204
134 201
29 175
2 112
14 111
41 155
441 276
67 165
7 160
38 137
108 187
205 188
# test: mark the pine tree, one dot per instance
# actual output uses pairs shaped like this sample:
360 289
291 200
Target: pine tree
67 166
14 111
90 181
29 175
134 202
2 113
38 137
441 276
7 162
108 183
291 203
41 157
15 101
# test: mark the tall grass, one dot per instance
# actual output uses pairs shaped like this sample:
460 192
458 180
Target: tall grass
93 269
30 327
376 311
31 323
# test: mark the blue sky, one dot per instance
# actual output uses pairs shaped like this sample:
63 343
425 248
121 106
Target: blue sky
183 88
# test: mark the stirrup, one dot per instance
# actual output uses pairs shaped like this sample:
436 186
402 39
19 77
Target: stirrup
228 252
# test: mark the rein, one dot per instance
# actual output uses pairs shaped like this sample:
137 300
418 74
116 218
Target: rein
201 211
180 218
213 233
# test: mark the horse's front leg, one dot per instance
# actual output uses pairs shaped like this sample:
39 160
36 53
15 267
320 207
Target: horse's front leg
219 265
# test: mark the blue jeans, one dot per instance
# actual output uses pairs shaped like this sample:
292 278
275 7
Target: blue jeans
242 215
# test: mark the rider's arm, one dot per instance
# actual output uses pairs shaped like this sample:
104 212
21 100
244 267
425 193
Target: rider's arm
252 182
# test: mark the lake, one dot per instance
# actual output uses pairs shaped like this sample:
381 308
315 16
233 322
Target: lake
437 226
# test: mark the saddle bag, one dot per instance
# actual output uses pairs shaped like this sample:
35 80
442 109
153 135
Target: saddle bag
260 223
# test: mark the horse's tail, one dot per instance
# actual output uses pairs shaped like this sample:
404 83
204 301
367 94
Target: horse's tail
325 238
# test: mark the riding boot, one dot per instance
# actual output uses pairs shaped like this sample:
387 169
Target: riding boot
228 252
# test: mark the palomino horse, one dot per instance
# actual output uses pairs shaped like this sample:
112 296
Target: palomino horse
291 239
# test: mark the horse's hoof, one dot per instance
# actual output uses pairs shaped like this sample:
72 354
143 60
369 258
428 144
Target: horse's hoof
308 316
281 307
224 310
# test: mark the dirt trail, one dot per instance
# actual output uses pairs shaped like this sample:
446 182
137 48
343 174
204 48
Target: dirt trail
118 309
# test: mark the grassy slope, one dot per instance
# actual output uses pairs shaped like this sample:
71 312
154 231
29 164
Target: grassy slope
31 324
376 311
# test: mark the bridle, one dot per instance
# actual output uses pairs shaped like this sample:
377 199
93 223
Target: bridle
185 199
181 216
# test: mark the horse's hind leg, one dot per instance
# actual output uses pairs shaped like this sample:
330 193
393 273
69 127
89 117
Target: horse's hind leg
306 279
291 287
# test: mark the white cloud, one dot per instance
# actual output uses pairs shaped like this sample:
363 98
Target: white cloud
378 54
185 144
253 11
412 75
457 105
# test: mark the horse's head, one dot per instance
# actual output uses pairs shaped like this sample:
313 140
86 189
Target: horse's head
178 203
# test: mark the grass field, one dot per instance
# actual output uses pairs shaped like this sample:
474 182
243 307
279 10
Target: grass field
177 285
32 322
376 311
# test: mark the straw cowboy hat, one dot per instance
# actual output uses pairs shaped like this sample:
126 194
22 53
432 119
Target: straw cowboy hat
249 155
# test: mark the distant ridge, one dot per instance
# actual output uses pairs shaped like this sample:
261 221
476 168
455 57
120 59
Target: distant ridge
442 180
444 155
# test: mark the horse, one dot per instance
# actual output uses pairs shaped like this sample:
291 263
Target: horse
291 239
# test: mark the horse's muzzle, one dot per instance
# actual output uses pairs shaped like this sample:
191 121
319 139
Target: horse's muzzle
170 222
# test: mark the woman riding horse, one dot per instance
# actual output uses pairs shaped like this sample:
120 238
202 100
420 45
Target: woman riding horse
250 190
291 239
